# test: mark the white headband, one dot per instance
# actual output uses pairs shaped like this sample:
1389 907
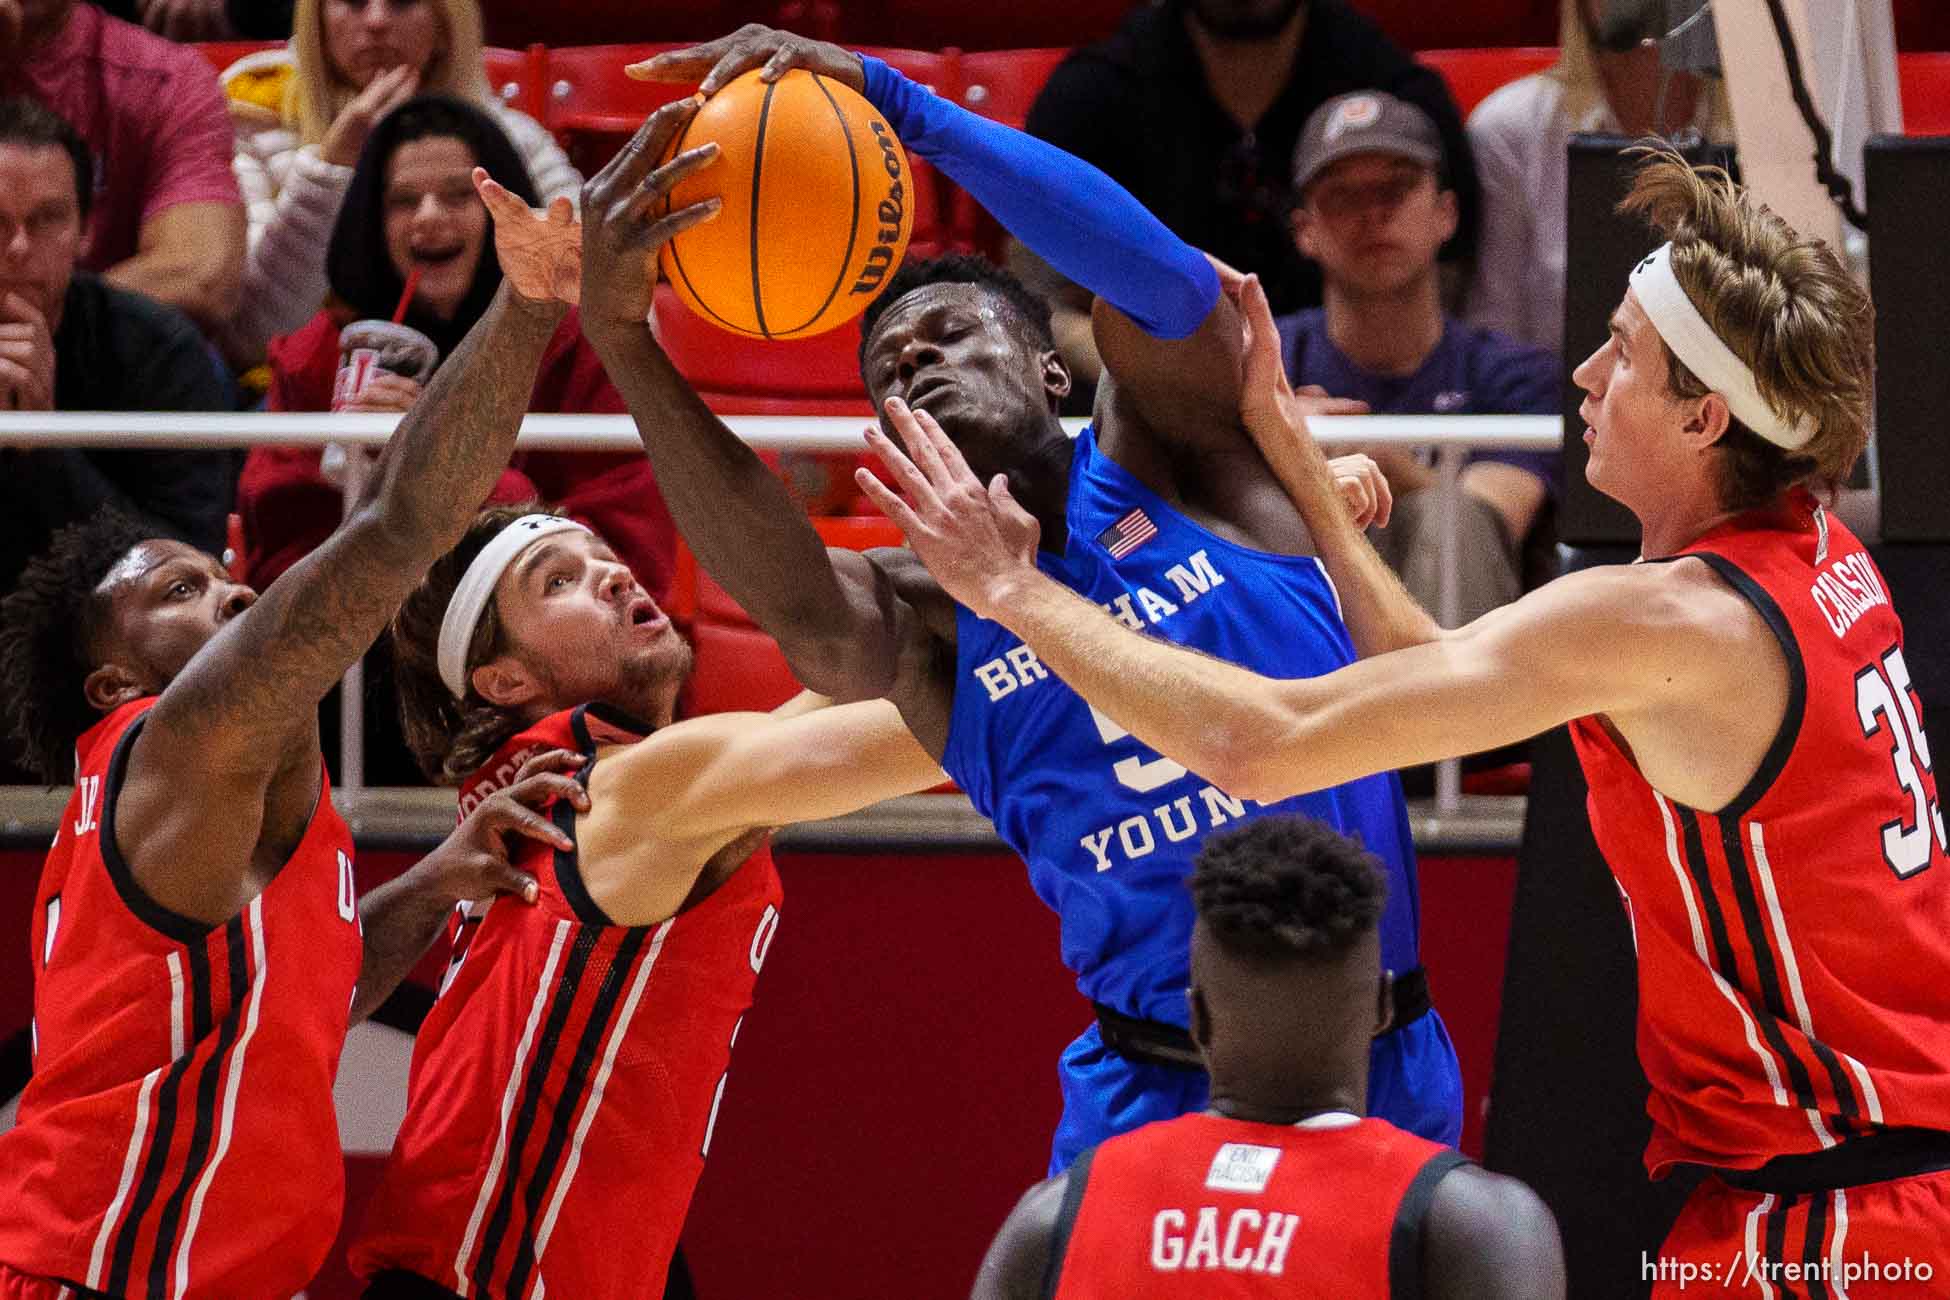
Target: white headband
477 586
1704 353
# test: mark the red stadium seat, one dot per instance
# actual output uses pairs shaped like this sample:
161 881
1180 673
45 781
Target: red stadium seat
1924 83
1000 85
1473 74
858 532
222 54
1419 25
735 668
517 77
591 106
811 376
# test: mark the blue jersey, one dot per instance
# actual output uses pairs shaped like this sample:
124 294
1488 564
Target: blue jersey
1108 827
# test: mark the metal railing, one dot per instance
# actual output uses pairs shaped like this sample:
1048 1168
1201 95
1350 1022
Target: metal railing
1451 436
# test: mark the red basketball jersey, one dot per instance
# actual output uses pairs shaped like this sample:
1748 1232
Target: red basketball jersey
1205 1206
178 1137
565 1085
1794 947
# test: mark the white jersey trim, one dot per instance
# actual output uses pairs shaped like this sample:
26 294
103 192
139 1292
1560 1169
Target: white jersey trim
493 1177
254 924
1699 949
128 1177
616 1035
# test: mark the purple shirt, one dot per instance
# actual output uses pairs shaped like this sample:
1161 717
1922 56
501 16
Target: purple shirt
1471 372
152 114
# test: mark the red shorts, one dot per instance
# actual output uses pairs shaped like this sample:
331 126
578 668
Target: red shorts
1878 1241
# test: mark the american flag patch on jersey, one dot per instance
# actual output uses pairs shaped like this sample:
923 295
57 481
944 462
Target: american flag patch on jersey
1127 534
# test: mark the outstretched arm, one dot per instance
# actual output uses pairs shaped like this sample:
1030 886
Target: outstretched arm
837 619
1379 612
667 804
1167 334
239 722
257 683
1505 677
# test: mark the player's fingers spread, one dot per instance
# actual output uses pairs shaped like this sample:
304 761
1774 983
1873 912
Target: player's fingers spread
549 760
678 65
684 164
494 195
1005 502
945 447
636 158
543 787
779 63
667 121
745 52
683 219
889 503
896 460
919 441
516 820
561 211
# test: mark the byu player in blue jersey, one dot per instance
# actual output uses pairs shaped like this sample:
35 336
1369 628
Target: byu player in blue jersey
1163 512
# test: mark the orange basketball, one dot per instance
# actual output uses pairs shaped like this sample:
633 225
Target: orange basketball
817 207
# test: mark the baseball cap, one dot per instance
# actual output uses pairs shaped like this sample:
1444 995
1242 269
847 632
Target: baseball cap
1367 121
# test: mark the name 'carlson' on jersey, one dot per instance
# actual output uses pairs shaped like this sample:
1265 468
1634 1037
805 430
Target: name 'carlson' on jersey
1794 946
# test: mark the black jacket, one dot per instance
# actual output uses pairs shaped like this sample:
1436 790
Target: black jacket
119 351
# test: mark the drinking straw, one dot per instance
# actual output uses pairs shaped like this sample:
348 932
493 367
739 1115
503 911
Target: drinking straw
406 296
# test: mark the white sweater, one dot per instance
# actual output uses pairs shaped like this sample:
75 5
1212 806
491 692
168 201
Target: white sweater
292 196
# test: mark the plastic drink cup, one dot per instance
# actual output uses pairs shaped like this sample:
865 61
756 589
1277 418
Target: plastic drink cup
369 346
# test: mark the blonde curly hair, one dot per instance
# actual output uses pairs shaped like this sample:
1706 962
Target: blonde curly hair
1786 306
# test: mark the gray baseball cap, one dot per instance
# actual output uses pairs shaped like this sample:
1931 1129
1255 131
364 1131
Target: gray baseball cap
1367 121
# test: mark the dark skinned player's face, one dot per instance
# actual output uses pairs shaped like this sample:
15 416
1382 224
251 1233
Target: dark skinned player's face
956 352
166 600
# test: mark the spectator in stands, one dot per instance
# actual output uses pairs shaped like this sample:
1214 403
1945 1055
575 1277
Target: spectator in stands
165 218
71 341
411 203
1375 205
1607 79
1194 106
303 113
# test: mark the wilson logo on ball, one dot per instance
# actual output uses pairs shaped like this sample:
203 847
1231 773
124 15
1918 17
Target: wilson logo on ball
892 212
817 207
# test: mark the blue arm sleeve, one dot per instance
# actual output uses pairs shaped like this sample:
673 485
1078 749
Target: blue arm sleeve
1080 221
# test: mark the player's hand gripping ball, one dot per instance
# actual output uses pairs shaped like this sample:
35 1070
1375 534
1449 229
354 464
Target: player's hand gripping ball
818 207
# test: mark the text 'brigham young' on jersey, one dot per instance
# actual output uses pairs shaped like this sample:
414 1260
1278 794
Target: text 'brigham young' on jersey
1180 819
